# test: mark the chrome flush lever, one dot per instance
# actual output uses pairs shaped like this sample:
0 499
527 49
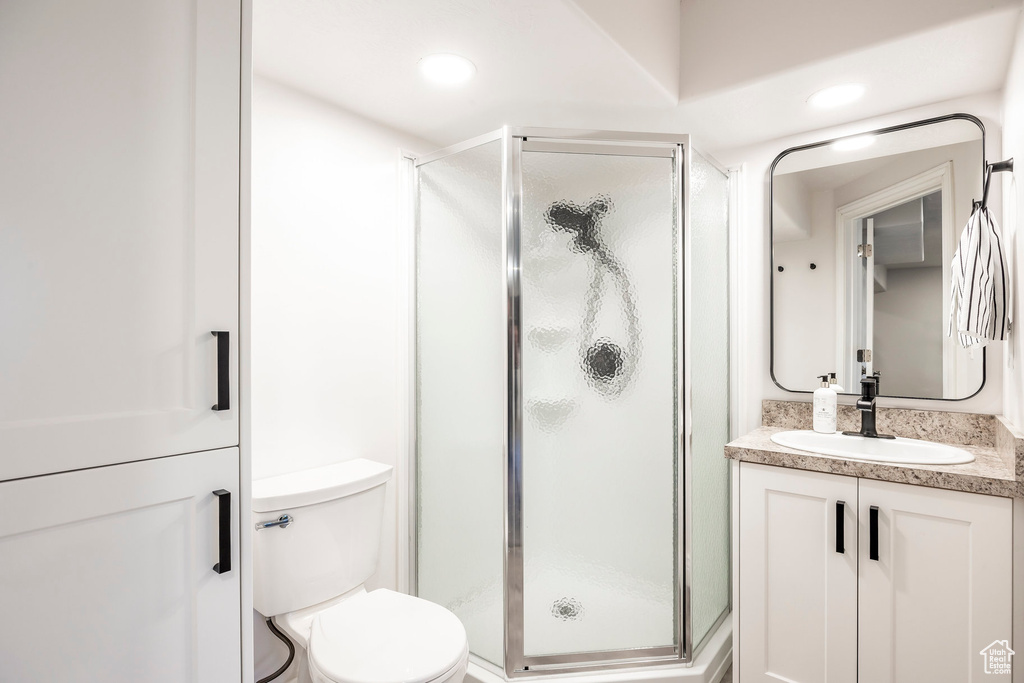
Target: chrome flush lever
282 521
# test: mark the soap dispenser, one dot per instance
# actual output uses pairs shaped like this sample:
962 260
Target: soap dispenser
835 383
824 407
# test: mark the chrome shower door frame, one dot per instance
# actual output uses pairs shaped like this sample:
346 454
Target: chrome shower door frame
517 663
513 139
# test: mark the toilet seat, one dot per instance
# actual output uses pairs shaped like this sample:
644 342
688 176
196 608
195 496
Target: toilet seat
386 637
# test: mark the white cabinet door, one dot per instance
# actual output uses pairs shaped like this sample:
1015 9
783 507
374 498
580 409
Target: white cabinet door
118 229
107 574
798 594
940 591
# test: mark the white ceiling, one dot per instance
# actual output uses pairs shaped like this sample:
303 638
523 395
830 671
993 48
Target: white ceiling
731 72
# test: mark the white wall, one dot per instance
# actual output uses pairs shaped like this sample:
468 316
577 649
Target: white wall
793 208
1013 146
807 346
754 304
907 315
329 289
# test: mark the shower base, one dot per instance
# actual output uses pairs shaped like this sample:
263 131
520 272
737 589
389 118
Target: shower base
567 612
711 664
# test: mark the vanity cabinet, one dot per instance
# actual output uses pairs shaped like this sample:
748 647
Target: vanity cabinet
797 593
940 590
844 579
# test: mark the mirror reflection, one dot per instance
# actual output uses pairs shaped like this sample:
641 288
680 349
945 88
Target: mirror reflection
863 232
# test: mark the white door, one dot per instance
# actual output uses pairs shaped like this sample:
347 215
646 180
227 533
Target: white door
798 592
939 591
107 574
118 229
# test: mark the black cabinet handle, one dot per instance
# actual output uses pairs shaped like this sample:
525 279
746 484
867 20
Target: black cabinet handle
873 533
840 527
224 531
223 371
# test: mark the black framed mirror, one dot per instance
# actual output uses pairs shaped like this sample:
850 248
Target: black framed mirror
863 230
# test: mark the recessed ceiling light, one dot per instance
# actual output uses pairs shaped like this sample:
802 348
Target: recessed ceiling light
446 69
836 96
850 144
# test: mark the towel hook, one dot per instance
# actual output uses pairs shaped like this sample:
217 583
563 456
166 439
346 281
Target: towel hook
997 167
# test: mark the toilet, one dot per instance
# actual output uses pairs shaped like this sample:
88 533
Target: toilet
308 575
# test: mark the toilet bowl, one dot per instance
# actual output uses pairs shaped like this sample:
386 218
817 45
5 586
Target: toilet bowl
308 575
383 636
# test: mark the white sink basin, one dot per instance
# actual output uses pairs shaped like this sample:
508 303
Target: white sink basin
898 450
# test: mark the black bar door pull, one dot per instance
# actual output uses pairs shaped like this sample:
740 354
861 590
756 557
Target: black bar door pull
840 527
224 531
223 371
873 533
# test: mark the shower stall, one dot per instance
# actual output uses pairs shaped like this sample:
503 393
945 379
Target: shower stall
572 397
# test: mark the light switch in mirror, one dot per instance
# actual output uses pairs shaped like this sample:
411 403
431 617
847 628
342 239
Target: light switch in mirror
863 233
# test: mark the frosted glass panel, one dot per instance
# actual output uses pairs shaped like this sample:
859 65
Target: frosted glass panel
460 337
709 374
598 363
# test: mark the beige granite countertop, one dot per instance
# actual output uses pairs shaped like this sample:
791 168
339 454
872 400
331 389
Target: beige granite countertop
998 448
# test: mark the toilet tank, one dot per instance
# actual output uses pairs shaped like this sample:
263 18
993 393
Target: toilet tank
330 547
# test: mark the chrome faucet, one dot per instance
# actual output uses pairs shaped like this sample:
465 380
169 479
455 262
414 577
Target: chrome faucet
866 405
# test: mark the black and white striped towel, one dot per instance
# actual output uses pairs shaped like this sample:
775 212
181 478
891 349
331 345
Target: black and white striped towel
978 305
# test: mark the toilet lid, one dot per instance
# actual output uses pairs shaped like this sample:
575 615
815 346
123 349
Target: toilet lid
386 637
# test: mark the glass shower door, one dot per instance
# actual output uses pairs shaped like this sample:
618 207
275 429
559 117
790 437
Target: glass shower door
599 251
707 495
460 366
